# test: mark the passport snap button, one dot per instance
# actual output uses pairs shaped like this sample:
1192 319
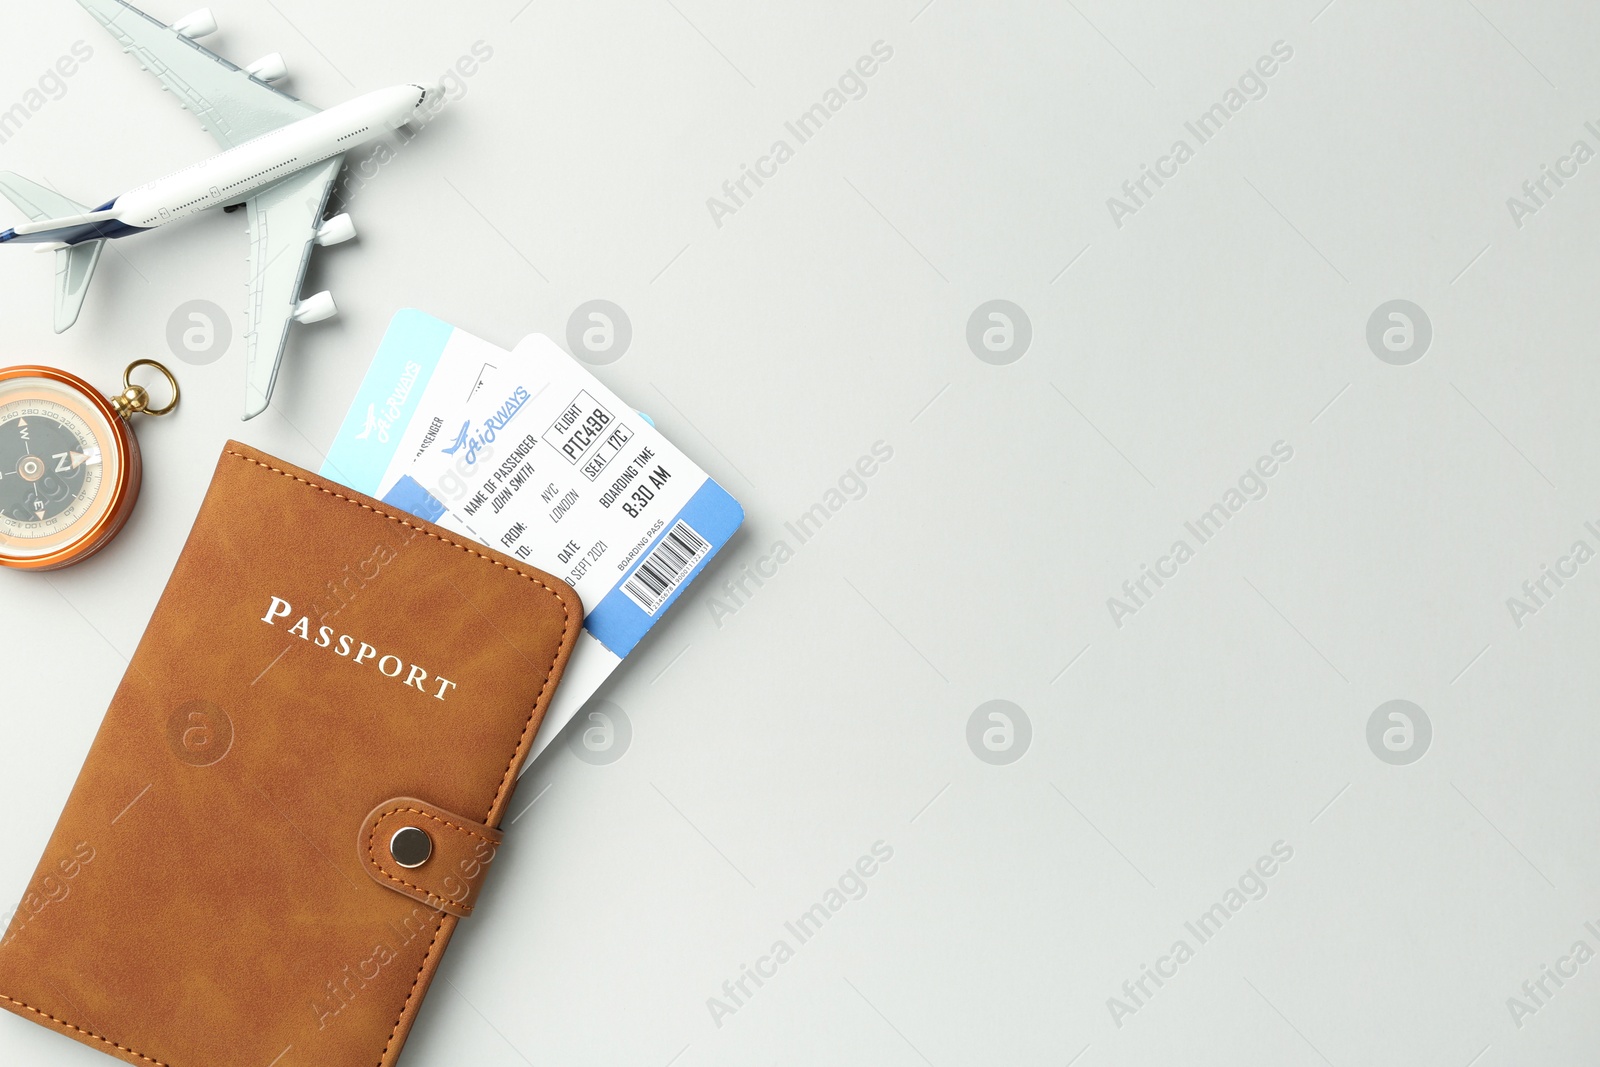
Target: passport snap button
410 846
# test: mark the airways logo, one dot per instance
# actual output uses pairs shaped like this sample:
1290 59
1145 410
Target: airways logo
495 422
383 419
460 441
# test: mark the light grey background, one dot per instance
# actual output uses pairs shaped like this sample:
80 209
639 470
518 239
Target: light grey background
772 747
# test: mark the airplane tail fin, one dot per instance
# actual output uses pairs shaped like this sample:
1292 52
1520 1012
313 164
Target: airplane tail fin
36 201
74 265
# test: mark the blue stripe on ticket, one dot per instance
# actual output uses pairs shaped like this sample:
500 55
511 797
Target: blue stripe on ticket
387 400
674 559
409 495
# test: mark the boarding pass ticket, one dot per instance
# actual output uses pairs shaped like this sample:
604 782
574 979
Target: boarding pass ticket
529 453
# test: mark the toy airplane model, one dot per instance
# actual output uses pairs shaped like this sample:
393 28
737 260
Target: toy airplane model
280 159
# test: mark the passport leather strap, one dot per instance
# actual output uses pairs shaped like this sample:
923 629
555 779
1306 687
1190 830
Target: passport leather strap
460 852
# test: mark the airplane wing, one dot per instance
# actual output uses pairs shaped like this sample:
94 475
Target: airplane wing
232 105
283 228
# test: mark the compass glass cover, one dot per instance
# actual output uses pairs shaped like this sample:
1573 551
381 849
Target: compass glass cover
60 459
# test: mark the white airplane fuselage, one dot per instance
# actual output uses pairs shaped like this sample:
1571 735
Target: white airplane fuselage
234 175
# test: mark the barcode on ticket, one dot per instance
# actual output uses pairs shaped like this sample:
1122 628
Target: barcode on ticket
665 568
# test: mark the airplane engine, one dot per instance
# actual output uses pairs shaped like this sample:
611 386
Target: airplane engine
197 24
269 68
316 308
336 230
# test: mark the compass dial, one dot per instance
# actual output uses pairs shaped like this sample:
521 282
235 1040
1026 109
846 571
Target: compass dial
60 463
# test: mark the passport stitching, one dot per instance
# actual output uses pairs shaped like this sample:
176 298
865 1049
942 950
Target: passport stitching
88 1033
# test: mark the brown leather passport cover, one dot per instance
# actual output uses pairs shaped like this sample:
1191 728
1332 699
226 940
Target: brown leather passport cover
320 673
